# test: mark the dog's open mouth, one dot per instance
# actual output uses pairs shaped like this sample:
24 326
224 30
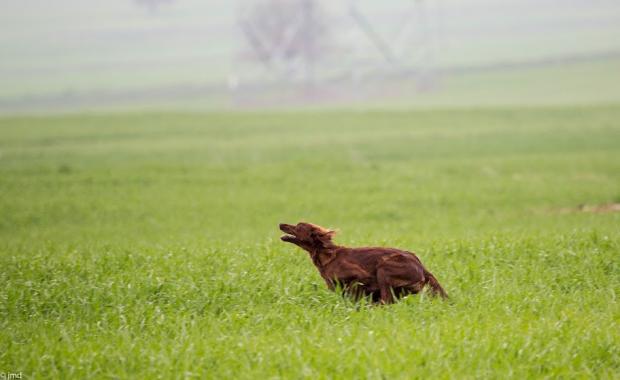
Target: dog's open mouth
289 231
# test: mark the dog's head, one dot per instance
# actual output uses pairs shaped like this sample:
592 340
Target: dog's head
307 235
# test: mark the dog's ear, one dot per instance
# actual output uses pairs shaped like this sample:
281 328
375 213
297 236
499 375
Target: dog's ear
325 237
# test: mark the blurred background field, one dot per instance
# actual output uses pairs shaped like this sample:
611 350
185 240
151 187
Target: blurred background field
148 150
235 176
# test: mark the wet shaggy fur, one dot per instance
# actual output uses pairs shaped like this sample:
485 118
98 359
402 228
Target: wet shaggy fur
378 272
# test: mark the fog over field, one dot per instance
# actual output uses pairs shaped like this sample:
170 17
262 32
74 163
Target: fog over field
77 54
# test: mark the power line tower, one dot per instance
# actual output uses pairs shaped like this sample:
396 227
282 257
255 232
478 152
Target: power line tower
410 49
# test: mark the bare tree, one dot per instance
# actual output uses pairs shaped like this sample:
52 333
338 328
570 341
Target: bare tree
289 33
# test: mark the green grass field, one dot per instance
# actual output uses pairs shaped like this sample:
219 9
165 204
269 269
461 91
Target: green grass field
146 245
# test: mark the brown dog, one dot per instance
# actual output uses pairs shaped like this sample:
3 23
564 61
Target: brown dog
380 273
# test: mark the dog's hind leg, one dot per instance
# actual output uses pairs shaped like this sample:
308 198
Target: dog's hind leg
436 289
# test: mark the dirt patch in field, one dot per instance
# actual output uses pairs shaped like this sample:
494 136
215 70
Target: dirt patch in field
596 209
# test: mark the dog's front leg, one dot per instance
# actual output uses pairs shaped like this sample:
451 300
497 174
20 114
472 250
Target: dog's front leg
384 287
330 284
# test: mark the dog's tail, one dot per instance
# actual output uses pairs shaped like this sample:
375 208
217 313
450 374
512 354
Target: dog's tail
436 289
